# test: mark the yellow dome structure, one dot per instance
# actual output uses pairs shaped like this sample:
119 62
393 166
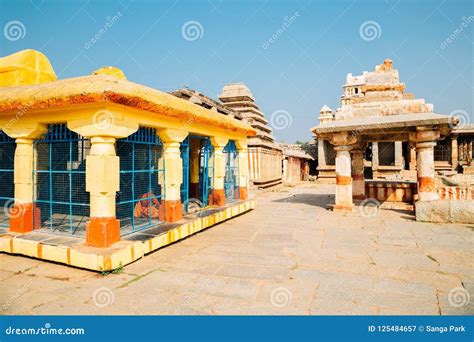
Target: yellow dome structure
111 71
27 67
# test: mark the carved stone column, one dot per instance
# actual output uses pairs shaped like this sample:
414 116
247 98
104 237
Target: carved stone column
217 197
358 182
425 142
454 152
243 168
343 143
172 138
24 215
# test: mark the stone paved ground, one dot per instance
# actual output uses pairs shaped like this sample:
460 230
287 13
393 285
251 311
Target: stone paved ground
289 256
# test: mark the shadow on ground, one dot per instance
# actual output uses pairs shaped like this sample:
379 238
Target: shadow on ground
317 200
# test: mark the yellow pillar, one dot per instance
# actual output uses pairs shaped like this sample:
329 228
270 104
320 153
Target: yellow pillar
102 183
24 216
242 150
194 146
172 207
103 175
217 196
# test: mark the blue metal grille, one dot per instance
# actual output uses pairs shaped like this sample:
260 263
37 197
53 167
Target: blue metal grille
206 170
60 171
7 153
185 184
231 172
141 181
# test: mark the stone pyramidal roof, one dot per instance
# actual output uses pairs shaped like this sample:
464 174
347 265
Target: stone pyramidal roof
238 97
378 93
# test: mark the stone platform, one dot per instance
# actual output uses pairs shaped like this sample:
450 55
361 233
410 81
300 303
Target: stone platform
73 251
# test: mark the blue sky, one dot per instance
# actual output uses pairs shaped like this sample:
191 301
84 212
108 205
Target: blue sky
301 70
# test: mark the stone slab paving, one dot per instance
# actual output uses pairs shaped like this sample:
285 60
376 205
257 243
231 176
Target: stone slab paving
288 256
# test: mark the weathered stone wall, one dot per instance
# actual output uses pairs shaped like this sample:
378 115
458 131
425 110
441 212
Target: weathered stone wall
292 171
384 191
265 165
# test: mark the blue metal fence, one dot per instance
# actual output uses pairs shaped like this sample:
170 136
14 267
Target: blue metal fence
141 181
206 170
60 170
231 171
185 184
7 153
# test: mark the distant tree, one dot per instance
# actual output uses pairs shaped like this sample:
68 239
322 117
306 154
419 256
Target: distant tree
299 142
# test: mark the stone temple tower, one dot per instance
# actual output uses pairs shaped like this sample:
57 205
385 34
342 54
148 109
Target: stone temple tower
326 115
265 156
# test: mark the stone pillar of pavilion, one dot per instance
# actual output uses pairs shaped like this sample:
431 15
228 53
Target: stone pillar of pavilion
399 154
343 143
217 195
171 203
102 174
454 152
321 154
102 183
425 139
412 155
243 168
358 183
24 215
375 155
194 146
469 151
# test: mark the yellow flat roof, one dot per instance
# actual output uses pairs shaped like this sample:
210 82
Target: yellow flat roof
105 88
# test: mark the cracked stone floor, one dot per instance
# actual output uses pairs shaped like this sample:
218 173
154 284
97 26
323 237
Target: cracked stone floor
288 256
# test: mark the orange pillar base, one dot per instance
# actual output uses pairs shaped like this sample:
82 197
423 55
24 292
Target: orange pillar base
24 218
243 193
217 197
171 211
342 208
102 231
